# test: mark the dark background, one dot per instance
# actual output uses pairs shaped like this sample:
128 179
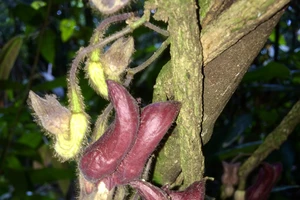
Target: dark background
52 32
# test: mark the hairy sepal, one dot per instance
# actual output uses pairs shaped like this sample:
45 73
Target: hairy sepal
49 113
102 157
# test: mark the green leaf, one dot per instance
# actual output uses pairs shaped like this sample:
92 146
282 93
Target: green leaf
11 85
281 38
244 148
67 29
13 162
18 179
49 85
269 117
51 174
8 56
48 46
24 12
32 139
270 71
38 4
239 125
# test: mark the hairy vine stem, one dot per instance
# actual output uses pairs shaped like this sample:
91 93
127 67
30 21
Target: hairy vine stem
132 71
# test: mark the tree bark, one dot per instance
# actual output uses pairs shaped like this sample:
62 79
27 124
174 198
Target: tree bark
232 34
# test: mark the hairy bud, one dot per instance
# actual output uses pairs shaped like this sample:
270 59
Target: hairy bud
67 129
68 145
110 65
109 6
116 59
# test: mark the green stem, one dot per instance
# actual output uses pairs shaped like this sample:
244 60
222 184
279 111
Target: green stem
273 141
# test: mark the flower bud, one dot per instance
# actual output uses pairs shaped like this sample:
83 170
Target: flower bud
110 65
109 6
67 129
102 157
68 145
267 177
116 59
97 78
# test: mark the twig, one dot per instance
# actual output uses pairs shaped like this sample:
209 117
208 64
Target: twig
132 71
82 53
156 54
272 142
157 29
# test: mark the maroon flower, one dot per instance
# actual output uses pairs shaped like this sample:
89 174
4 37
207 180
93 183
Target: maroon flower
120 154
195 191
103 157
267 177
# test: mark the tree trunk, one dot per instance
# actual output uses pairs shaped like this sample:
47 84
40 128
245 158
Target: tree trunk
213 44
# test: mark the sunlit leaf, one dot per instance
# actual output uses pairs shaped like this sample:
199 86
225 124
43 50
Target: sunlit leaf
67 27
38 4
281 40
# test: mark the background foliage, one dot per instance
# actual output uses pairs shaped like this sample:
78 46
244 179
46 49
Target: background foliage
50 32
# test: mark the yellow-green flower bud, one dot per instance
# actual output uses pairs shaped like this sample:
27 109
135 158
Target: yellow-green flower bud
68 145
96 76
110 65
67 129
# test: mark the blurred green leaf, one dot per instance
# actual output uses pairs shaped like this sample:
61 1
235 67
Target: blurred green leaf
11 85
243 148
67 27
49 85
51 174
24 12
32 139
270 71
238 127
269 117
13 162
281 38
18 179
48 46
8 56
285 187
38 4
